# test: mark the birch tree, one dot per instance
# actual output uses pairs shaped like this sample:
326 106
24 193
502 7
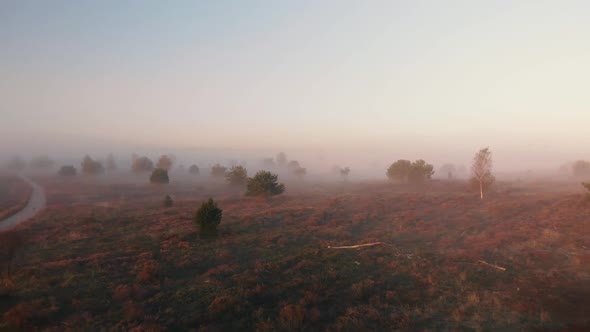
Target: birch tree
482 170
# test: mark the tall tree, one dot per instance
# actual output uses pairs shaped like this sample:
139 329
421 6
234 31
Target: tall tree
482 170
165 162
282 159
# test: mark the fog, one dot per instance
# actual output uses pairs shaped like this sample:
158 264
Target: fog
349 84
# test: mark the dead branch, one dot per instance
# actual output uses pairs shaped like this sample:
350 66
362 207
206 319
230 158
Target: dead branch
492 265
357 246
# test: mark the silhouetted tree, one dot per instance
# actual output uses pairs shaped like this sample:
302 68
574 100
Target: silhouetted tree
282 159
264 183
581 168
111 165
91 167
67 171
482 170
344 172
159 176
168 202
420 171
449 170
194 170
413 172
237 176
208 217
42 162
399 170
141 164
165 162
218 171
300 172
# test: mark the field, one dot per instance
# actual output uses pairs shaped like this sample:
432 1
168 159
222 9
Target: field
106 255
14 195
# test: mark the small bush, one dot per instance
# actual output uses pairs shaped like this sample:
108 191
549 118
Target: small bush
194 170
218 171
168 202
159 176
67 171
264 183
208 217
587 186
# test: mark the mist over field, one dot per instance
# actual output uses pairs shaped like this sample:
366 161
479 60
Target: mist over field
302 165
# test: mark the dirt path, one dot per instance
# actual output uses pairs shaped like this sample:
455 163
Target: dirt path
36 203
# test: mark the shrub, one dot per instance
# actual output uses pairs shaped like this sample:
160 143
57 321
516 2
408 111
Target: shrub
165 162
237 176
264 183
159 176
344 172
218 171
208 217
67 171
300 172
194 170
587 186
399 170
91 166
168 202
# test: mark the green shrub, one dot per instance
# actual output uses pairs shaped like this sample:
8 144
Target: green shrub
208 217
264 183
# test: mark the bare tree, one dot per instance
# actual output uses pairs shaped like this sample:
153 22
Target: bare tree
482 170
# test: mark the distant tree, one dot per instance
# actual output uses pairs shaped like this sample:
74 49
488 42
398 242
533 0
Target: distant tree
282 159
581 168
300 172
141 164
91 167
218 171
399 170
293 165
208 217
237 176
344 172
165 162
10 243
264 183
42 162
159 176
482 170
268 163
194 169
111 165
420 171
67 171
16 164
168 202
413 172
449 170
587 186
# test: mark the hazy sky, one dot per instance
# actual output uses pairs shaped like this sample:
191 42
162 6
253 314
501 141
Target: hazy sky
408 78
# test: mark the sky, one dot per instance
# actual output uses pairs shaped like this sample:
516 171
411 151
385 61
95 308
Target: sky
396 79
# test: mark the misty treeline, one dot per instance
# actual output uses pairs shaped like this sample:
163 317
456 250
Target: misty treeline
236 175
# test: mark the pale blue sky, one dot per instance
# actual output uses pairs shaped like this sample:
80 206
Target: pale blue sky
407 78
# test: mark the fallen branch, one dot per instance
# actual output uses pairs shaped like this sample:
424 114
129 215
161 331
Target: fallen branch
492 265
357 246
